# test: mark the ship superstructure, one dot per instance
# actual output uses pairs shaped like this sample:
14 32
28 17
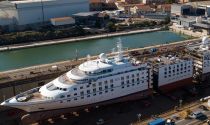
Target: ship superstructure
94 81
201 53
172 71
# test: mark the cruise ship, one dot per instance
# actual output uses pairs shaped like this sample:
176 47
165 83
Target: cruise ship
100 81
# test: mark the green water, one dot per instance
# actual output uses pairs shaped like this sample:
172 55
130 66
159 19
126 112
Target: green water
52 53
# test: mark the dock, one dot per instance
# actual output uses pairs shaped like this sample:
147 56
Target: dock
39 75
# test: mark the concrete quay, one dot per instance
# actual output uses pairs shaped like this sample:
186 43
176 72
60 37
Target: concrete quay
66 40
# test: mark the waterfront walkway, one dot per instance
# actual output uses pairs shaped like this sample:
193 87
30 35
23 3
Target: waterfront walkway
81 38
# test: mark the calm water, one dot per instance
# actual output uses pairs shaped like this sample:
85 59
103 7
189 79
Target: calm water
52 53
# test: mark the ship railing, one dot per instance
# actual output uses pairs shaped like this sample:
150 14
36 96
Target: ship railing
29 92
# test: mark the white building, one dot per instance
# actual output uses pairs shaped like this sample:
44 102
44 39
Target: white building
172 71
37 11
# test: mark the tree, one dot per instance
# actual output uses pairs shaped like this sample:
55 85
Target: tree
111 26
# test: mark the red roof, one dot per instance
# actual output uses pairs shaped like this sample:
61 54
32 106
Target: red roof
96 1
144 7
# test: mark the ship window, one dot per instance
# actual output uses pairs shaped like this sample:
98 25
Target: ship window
82 93
132 75
75 93
61 101
122 83
112 85
127 81
62 96
123 87
106 87
75 88
94 85
142 81
88 86
75 98
100 83
94 94
165 76
111 81
112 89
88 91
82 97
122 78
105 82
64 89
81 87
68 95
127 85
88 95
127 77
132 84
137 83
94 90
137 79
100 88
132 80
106 91
100 93
68 100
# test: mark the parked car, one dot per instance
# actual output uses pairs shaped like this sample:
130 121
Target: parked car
198 115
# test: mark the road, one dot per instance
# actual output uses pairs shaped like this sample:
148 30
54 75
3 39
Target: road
193 121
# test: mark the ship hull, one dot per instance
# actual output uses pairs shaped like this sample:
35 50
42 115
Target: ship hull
41 115
176 85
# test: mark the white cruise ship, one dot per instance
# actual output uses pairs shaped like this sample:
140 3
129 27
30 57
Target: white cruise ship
98 81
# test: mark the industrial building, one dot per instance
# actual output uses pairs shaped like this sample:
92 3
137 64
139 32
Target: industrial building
200 8
24 12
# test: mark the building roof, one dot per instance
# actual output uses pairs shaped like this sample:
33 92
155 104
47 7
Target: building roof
202 25
86 13
188 19
199 3
96 1
143 7
60 19
166 7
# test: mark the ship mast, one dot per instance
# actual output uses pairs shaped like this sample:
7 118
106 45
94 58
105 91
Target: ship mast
119 56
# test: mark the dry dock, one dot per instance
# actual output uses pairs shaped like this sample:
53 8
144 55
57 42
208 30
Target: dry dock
38 75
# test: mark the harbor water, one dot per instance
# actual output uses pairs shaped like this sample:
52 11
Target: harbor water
47 54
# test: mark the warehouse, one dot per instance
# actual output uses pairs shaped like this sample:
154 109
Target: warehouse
38 11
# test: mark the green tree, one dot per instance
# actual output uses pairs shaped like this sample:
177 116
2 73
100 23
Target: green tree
111 26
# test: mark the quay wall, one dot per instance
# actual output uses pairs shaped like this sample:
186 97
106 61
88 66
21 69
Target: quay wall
76 39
